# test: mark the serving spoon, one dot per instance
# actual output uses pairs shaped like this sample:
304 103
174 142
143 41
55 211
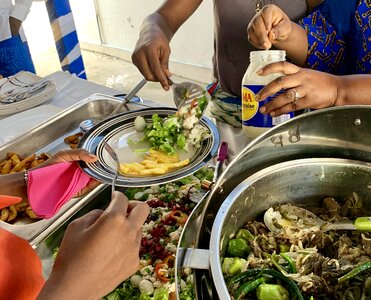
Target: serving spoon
191 101
288 215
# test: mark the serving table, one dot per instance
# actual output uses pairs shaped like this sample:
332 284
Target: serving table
76 100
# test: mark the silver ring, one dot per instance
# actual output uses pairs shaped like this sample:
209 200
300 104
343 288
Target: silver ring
297 95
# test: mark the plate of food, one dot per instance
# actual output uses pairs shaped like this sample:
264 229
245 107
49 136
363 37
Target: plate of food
152 146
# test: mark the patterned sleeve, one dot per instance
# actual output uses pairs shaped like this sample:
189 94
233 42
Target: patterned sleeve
326 49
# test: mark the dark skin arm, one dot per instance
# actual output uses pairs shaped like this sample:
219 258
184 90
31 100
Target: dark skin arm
152 51
15 25
98 251
272 27
316 89
14 184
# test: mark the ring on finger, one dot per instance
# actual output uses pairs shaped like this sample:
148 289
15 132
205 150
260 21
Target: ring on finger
297 95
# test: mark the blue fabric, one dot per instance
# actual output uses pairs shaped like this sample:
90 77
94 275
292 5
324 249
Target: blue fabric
213 89
15 56
340 14
76 65
338 37
68 42
57 8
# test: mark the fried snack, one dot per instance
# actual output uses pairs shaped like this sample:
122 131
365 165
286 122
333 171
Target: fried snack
4 214
73 140
155 163
12 213
14 157
7 167
23 165
31 213
16 163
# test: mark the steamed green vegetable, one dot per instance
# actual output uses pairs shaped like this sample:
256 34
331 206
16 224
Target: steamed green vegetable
244 234
269 291
362 268
232 265
238 248
248 287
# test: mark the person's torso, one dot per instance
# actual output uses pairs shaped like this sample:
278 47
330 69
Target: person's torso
5 9
231 47
351 21
6 5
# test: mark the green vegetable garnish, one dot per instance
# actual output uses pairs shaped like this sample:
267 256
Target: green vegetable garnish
238 248
268 291
165 135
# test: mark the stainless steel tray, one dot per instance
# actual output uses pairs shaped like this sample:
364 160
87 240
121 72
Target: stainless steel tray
48 137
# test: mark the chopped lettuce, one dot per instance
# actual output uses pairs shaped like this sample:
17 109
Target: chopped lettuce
187 293
205 173
161 294
115 295
165 135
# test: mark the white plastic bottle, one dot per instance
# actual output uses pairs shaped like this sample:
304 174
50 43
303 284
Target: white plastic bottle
253 122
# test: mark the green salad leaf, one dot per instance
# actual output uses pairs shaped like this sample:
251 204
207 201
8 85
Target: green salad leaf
165 135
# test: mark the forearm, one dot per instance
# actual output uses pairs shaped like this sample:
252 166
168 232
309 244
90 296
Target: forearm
13 185
55 289
296 45
170 16
354 89
154 21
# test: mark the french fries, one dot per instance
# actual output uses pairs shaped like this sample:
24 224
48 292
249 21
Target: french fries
154 163
12 164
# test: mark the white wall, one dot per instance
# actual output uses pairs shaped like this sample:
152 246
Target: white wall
85 20
120 22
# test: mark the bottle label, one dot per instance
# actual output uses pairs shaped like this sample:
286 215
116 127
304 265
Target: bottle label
250 109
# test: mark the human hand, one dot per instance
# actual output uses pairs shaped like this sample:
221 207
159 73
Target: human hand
74 155
151 55
268 27
15 25
304 88
98 251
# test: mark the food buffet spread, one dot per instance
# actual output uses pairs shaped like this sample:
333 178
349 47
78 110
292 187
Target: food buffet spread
168 196
301 162
200 244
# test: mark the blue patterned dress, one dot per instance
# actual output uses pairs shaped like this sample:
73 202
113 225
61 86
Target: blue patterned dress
339 37
15 56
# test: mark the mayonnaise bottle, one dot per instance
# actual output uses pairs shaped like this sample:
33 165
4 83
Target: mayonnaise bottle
253 122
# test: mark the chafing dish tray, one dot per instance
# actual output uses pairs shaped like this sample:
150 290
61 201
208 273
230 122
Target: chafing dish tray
49 137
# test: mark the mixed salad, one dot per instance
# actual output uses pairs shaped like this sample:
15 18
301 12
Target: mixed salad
170 207
301 264
169 135
190 113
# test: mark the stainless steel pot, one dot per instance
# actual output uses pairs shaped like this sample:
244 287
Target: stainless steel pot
304 181
342 132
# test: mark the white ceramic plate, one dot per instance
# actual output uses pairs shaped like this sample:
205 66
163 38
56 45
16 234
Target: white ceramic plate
117 131
36 99
17 124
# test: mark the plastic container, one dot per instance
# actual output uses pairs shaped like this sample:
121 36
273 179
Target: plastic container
253 122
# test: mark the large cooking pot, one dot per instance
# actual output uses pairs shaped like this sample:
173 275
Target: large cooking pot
305 181
342 132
